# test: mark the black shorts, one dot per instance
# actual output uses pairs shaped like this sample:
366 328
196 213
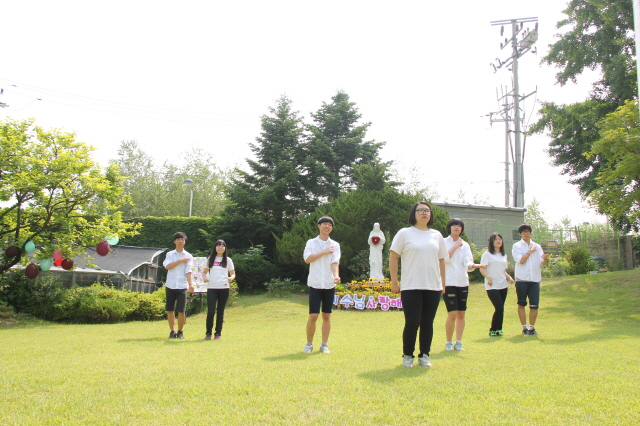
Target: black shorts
528 289
455 298
324 297
176 299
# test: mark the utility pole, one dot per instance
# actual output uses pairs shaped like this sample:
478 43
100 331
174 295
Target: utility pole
520 42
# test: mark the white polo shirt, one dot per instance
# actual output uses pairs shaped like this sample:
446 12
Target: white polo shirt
531 269
177 277
320 274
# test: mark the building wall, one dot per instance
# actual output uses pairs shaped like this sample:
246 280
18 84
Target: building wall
481 221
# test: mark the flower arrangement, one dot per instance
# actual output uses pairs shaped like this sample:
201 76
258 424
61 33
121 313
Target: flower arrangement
372 284
371 294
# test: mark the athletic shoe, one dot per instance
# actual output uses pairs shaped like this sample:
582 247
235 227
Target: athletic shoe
308 348
207 337
525 331
532 331
324 348
407 361
180 335
424 361
458 346
172 335
217 337
499 333
448 346
492 333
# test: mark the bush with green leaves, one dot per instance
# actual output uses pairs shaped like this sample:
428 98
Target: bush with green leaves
281 287
253 269
33 296
555 267
580 261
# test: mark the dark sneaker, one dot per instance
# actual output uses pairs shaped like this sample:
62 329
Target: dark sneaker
492 333
533 332
207 337
217 337
180 335
525 331
172 335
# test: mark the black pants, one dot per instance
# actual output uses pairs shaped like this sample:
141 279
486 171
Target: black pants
497 297
420 307
219 297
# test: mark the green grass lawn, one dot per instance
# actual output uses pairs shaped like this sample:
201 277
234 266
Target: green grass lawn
583 368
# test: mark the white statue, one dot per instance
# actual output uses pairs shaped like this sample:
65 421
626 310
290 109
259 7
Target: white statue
376 241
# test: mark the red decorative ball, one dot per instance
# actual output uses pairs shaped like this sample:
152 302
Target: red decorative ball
58 262
11 251
67 264
375 240
103 248
31 271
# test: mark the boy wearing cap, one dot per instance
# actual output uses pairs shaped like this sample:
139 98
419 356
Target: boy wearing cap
323 256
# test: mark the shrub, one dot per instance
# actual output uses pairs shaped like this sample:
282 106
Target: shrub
476 276
579 259
278 287
555 267
253 269
33 296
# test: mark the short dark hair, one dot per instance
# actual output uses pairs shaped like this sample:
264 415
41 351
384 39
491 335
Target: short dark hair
492 239
325 219
454 221
524 227
179 235
412 213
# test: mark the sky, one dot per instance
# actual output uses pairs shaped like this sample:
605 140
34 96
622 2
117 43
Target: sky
176 75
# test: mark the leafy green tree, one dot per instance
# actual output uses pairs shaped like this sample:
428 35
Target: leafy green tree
354 213
336 146
53 194
598 35
535 217
160 190
618 193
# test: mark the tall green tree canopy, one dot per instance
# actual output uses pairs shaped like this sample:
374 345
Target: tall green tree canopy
618 195
336 145
598 35
160 191
53 194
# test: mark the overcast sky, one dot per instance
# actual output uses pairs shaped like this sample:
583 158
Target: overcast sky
172 75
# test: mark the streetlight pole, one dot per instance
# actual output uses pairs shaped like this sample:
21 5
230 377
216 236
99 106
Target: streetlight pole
189 183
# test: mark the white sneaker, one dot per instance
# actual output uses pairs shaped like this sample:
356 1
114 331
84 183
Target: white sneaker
407 361
448 346
458 346
324 348
424 361
308 348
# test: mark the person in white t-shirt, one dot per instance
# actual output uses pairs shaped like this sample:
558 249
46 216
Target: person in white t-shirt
322 254
496 280
219 274
423 252
178 263
529 259
457 264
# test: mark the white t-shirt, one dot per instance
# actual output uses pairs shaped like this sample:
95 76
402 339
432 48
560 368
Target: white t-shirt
457 267
320 273
531 269
420 252
496 265
177 277
218 275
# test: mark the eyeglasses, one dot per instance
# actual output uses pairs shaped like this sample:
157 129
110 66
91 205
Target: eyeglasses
423 211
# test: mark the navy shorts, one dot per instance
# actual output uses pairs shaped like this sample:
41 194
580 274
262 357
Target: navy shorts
530 290
324 297
455 298
176 299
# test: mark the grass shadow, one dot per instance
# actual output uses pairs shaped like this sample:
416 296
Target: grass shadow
298 356
391 374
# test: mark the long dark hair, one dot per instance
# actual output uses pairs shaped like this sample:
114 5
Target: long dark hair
492 239
212 256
